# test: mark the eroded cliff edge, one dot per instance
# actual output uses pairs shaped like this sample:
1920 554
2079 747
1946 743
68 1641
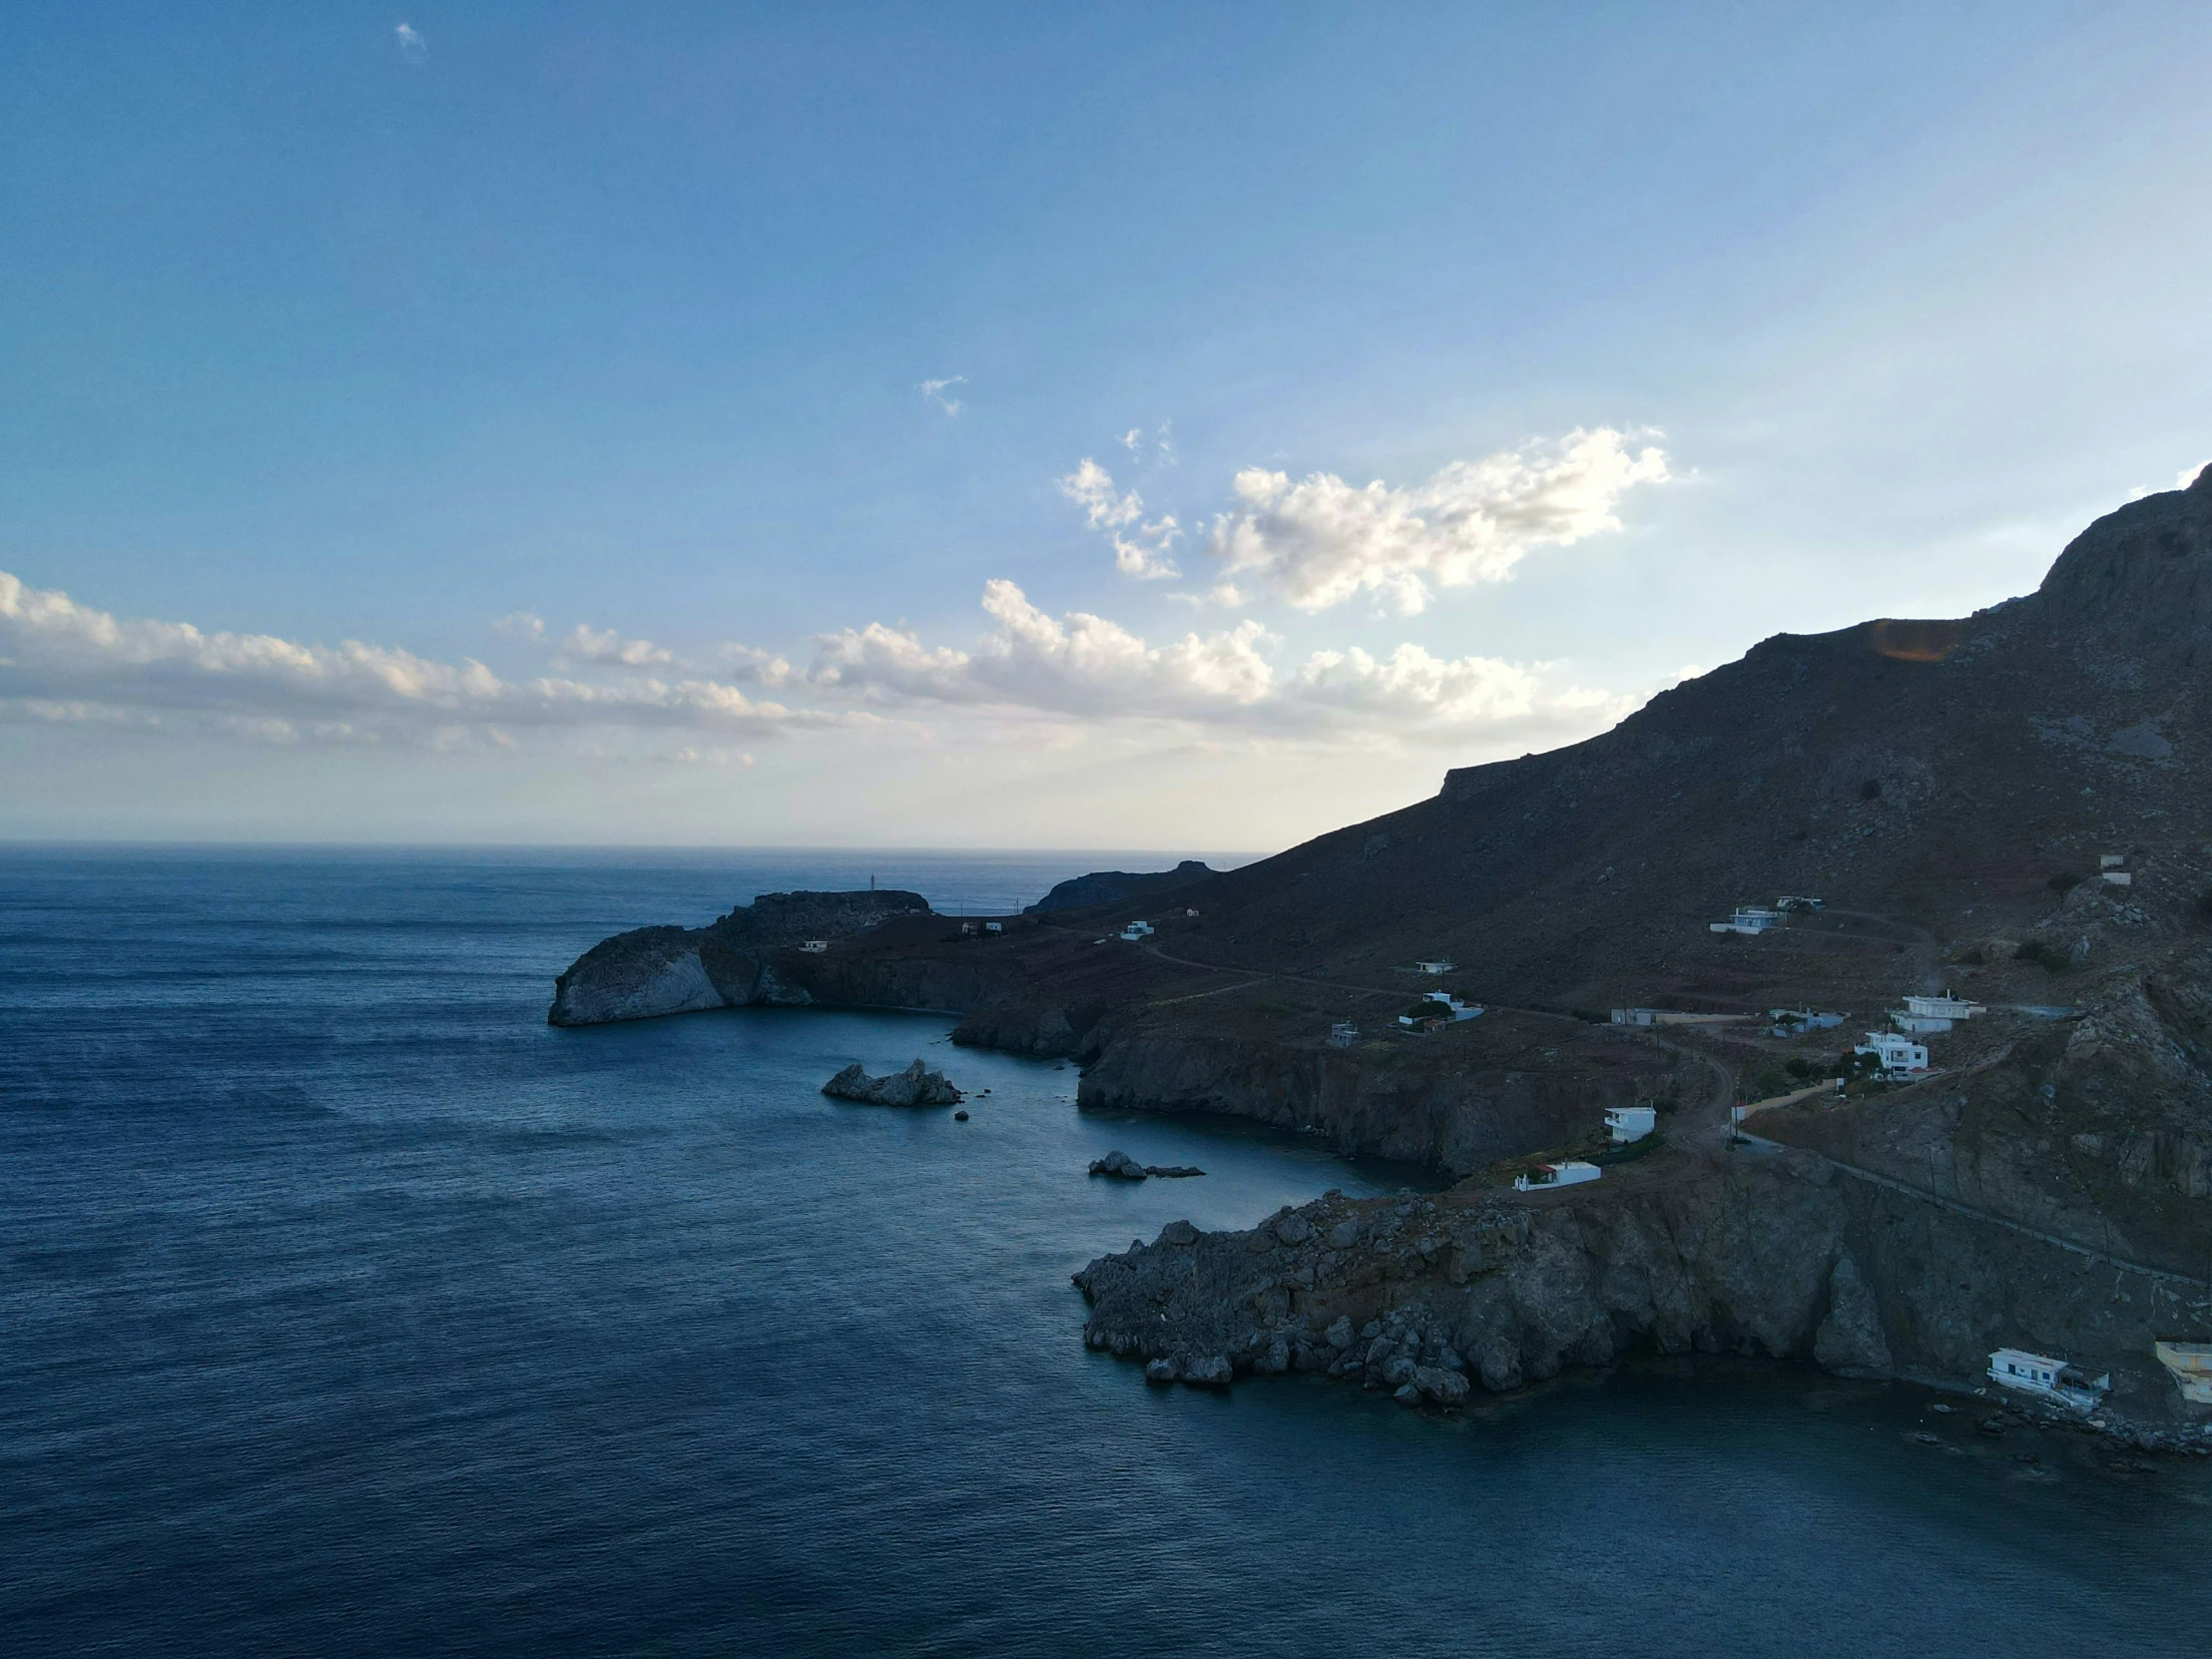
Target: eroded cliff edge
650 971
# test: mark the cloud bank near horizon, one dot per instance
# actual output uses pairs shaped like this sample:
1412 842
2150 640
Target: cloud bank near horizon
62 661
66 662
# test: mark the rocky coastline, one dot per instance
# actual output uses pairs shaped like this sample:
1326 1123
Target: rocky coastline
2010 804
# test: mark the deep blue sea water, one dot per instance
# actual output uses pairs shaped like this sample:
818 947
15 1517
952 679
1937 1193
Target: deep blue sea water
347 1307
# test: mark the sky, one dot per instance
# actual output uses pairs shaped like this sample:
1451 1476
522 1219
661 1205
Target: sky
1028 425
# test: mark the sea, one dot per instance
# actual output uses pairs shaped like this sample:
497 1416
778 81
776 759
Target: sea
347 1307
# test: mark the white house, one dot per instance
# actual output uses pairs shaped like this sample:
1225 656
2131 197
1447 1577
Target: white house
1191 912
1137 930
2119 879
1749 919
815 946
1630 1123
1795 1022
1945 1006
1635 1016
1343 1034
2040 1373
1457 1009
994 927
1919 1024
1440 965
1898 1054
2190 1364
1569 1174
2111 860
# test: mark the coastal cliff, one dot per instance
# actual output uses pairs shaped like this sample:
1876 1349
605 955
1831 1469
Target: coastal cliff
1770 1255
650 971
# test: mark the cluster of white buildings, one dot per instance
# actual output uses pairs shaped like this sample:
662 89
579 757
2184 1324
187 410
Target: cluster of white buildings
1137 930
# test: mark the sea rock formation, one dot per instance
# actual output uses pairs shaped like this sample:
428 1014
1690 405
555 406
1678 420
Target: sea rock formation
650 971
915 1086
1125 1168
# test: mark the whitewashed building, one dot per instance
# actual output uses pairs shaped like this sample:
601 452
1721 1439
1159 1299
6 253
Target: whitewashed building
1749 919
1453 1006
1635 1016
2119 879
1343 1034
1795 1022
1442 964
994 927
1137 930
813 948
2111 860
1945 1006
1570 1174
1630 1123
2056 1380
1898 1054
2190 1365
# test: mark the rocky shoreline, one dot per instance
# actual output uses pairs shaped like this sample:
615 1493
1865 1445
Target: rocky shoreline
1432 1298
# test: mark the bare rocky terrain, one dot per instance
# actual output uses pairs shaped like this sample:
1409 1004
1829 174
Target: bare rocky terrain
1952 790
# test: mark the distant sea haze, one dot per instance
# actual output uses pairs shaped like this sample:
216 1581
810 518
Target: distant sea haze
348 1307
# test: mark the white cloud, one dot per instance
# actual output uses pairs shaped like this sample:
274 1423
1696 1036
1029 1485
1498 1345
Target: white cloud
411 38
609 650
1141 552
1090 668
934 392
751 665
1320 541
522 625
63 661
1091 487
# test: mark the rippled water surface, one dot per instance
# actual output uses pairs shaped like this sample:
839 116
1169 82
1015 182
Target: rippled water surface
346 1307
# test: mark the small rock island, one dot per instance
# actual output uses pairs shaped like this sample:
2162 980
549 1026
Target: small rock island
915 1086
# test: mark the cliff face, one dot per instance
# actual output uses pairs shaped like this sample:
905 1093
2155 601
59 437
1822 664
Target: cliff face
1499 1086
650 971
1764 1255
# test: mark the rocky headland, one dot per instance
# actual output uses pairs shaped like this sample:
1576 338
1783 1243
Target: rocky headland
2011 806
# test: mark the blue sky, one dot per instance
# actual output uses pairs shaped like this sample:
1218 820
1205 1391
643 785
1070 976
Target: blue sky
1477 369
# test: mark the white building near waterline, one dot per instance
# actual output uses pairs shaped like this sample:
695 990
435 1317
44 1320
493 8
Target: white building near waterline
1898 1054
1570 1174
2049 1379
1630 1123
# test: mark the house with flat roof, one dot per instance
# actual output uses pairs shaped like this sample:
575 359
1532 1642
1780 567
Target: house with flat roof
1900 1055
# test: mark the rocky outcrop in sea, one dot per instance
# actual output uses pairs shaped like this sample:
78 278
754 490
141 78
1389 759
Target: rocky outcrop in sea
650 971
1125 1168
915 1086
